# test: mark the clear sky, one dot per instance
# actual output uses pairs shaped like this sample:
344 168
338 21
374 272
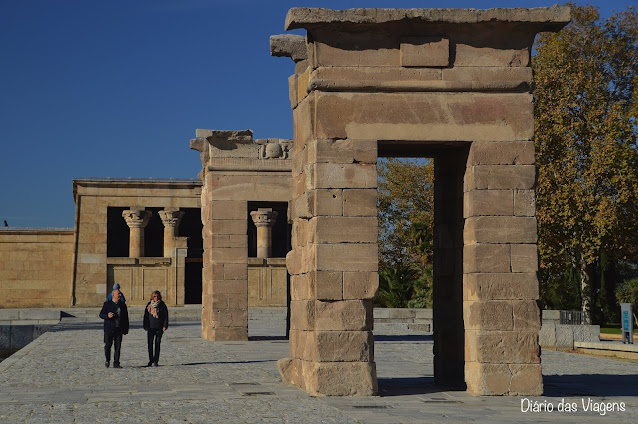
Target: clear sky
94 88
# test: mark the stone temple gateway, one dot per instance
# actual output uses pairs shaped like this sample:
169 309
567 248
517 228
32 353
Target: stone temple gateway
295 221
450 84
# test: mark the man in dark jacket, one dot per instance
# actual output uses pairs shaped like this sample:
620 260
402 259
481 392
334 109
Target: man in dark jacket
155 323
115 316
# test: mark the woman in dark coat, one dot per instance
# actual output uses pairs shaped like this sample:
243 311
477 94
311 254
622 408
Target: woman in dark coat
155 323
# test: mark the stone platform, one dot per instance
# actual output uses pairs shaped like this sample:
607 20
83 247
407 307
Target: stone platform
60 377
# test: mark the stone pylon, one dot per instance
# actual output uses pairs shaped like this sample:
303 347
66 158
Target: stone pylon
452 84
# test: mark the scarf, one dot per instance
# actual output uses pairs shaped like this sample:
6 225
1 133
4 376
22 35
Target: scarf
152 308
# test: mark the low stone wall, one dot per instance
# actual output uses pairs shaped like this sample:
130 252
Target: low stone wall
19 327
555 335
412 319
36 267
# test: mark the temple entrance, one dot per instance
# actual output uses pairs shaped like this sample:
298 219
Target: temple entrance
447 251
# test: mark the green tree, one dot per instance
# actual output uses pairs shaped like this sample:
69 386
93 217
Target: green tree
396 286
586 99
406 212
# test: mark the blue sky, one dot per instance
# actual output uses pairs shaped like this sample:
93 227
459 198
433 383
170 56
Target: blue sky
116 88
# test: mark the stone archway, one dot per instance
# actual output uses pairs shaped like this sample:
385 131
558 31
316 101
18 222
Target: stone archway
457 83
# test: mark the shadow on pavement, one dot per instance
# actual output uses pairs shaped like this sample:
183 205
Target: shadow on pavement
404 386
600 385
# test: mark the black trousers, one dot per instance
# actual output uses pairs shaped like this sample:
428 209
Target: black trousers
110 339
154 334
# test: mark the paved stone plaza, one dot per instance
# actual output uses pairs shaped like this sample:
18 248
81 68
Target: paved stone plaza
61 377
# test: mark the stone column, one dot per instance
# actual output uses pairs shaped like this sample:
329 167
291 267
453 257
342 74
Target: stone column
171 219
264 219
136 219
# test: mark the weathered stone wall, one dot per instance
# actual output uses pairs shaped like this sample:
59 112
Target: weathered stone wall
92 199
36 268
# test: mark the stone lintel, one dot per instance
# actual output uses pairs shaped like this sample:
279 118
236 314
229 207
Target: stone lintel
289 45
536 19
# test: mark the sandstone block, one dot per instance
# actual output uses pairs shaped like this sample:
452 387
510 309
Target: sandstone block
229 255
235 271
500 229
490 286
342 151
340 378
500 177
299 287
527 379
504 379
230 286
369 77
501 153
526 315
228 209
303 118
229 226
293 261
524 258
424 116
360 202
287 370
469 53
332 346
487 379
360 285
336 49
346 257
229 301
499 347
424 51
326 285
486 258
488 202
300 234
524 203
302 206
292 91
302 314
488 315
230 317
495 75
343 230
348 315
298 186
328 202
302 85
335 175
227 334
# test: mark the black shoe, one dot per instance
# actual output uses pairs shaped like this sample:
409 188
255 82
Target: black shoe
106 364
116 365
150 364
155 364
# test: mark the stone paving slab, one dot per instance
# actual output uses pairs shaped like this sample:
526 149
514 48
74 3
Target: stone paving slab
61 377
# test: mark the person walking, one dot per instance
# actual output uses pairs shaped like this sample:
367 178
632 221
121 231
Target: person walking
116 324
155 323
116 286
